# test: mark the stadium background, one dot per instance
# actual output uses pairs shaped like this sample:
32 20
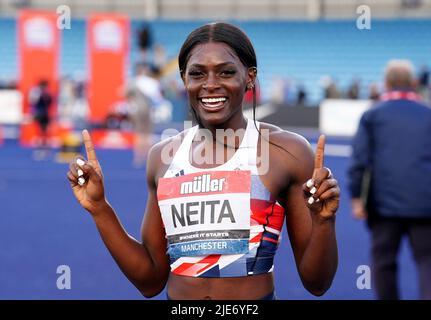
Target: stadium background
300 45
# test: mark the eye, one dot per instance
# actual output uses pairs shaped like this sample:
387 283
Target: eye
195 74
227 73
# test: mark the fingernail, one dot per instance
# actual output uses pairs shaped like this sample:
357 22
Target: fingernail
80 172
81 181
317 200
310 200
310 183
80 162
312 191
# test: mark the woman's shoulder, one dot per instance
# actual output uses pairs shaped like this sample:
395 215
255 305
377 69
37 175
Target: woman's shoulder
168 142
161 153
291 141
289 152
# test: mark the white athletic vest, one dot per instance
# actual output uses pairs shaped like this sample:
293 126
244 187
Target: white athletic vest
221 221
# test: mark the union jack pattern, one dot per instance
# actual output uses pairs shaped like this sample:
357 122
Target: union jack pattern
266 220
266 216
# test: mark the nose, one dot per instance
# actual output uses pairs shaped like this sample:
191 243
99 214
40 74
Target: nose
211 82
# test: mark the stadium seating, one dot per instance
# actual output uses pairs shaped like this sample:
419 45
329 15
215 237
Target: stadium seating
301 51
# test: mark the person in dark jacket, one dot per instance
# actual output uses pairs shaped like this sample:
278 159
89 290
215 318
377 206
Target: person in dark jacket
41 100
145 41
390 178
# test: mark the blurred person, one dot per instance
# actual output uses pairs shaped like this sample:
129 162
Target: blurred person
80 108
159 59
147 80
424 83
145 41
66 99
40 103
330 90
353 90
389 178
373 92
140 113
73 107
72 113
218 66
301 96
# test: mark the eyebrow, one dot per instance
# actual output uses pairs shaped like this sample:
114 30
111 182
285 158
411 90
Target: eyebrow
218 65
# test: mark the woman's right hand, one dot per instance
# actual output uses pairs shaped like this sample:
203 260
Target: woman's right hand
86 178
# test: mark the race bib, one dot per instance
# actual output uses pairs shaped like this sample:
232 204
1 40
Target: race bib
206 213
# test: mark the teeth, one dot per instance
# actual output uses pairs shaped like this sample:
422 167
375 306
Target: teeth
213 100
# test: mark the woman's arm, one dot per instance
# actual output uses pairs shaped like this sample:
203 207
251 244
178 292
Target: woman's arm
144 264
313 242
311 227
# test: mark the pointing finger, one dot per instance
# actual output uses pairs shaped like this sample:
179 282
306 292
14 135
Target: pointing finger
89 147
319 157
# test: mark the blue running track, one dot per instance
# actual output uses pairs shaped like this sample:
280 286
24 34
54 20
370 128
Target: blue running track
43 227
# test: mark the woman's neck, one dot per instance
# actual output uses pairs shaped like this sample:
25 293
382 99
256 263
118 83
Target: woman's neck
229 134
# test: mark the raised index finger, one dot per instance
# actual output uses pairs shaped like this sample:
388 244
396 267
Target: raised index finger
319 157
89 147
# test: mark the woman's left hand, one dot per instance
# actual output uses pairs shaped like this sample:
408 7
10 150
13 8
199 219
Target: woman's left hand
321 192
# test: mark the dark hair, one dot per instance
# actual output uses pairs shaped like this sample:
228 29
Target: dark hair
235 38
227 33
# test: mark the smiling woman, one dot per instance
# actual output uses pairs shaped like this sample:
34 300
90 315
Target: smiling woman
211 229
218 65
216 81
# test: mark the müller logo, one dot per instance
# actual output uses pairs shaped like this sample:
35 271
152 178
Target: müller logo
201 184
